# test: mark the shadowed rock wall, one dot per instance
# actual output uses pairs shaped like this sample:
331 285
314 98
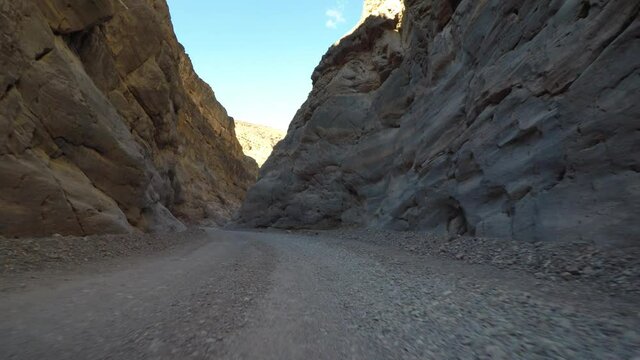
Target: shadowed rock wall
105 127
510 118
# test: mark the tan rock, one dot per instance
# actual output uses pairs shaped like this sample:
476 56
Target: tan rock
258 141
105 127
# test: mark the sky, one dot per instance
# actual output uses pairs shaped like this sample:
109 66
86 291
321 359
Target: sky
258 55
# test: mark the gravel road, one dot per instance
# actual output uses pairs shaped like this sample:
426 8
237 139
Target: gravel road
268 295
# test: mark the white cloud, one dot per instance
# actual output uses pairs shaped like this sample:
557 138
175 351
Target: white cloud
336 15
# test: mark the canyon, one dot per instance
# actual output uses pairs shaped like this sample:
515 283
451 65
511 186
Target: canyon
463 181
512 119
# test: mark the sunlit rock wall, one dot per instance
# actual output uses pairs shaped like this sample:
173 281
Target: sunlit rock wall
105 127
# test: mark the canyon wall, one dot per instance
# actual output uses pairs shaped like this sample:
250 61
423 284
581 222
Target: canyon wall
509 118
257 141
105 127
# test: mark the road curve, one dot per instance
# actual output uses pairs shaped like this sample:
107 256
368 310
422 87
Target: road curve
254 295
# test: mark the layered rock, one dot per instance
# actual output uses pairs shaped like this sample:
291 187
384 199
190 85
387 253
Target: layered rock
511 118
105 127
257 141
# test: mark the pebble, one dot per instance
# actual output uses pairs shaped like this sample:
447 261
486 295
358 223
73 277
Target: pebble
632 337
566 275
495 352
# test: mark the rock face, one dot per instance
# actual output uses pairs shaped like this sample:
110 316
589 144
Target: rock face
257 141
491 118
105 127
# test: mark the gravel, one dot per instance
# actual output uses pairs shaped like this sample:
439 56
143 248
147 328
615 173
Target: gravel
334 295
62 252
612 270
175 304
374 301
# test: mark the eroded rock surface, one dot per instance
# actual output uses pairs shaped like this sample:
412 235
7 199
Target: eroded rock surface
495 118
257 141
105 127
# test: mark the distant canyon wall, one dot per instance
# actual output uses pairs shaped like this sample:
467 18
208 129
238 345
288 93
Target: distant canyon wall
510 118
258 141
105 127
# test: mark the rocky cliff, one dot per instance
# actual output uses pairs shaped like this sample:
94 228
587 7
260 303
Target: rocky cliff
510 118
105 127
257 141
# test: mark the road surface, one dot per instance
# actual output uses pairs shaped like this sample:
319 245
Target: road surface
254 295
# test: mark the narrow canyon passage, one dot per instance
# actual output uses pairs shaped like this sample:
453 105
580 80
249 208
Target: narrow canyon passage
459 179
238 295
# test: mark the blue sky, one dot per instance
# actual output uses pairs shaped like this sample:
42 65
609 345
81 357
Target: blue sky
258 55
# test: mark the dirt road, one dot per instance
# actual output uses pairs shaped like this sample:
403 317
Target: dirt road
252 295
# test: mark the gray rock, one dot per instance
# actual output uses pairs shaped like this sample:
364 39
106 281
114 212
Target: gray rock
482 118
